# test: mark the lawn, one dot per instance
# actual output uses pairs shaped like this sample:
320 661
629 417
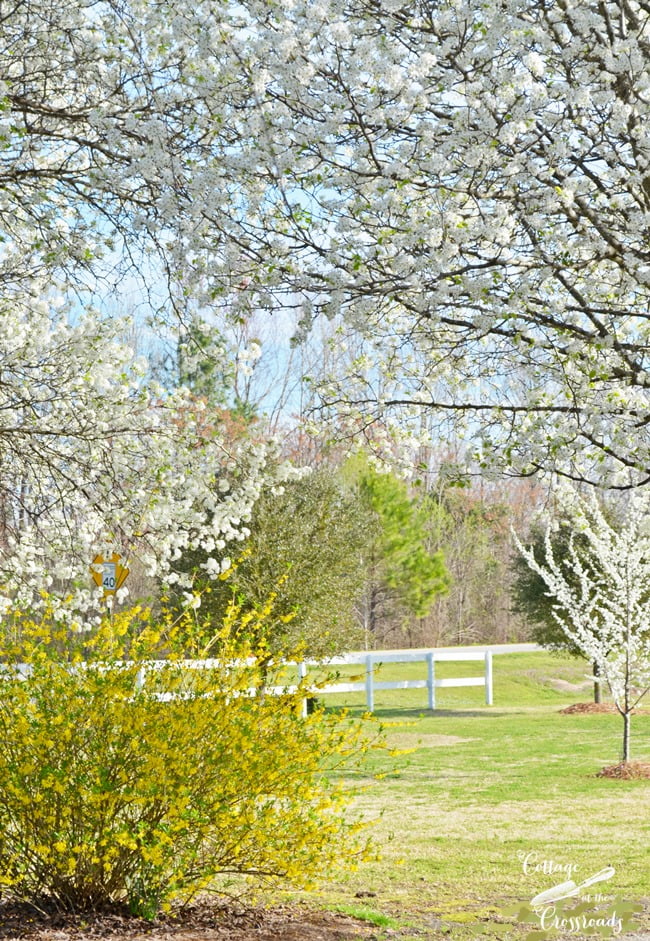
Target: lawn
491 805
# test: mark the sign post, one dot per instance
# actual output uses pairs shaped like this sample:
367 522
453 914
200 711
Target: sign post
108 574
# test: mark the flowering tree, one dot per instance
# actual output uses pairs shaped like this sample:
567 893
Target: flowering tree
531 598
601 591
98 129
466 187
466 190
93 458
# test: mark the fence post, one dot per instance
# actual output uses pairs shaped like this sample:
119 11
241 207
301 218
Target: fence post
139 678
302 673
370 692
431 679
488 677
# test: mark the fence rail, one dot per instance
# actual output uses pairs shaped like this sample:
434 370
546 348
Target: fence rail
428 655
370 660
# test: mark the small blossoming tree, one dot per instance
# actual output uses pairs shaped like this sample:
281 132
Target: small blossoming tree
602 595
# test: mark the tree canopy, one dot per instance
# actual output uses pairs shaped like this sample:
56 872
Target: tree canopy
96 130
403 574
467 188
96 459
464 191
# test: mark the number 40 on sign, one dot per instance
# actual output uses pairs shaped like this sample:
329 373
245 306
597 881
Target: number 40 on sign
108 574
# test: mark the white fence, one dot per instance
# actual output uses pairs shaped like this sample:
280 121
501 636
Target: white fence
374 660
371 661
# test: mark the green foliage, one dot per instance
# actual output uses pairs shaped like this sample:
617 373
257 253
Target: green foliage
110 793
343 551
202 363
472 529
308 542
399 560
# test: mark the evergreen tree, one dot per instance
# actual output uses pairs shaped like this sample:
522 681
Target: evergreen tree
403 576
202 363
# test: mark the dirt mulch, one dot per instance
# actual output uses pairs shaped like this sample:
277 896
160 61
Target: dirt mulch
588 707
204 922
594 707
626 770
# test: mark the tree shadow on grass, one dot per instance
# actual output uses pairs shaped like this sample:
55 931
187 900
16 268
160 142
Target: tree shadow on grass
411 714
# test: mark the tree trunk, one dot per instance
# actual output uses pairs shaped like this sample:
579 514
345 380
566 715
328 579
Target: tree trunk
626 736
264 666
597 687
373 617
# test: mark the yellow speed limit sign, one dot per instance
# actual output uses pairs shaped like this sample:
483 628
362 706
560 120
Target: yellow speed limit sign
108 574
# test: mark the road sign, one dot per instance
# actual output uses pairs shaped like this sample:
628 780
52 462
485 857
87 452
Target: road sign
108 574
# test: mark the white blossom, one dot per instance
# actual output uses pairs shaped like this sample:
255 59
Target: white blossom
601 593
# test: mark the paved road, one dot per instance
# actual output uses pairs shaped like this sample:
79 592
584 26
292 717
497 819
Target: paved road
476 648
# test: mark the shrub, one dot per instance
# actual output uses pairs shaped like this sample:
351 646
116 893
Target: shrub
112 793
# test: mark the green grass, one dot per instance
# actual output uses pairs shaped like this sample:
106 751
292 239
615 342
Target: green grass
363 913
482 788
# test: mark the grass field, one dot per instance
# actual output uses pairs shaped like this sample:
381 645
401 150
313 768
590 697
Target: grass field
493 805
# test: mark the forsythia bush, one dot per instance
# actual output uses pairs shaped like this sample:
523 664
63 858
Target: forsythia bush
119 786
